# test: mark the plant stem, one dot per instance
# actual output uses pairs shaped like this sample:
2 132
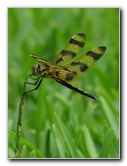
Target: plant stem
19 123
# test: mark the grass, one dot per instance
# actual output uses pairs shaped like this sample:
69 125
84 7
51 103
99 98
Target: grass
57 122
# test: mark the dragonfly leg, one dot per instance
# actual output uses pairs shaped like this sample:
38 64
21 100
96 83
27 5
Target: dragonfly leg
30 76
37 83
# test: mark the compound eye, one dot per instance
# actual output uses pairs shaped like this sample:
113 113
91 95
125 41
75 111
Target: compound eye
36 69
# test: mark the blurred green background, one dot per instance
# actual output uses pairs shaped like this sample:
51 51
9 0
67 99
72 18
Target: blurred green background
57 122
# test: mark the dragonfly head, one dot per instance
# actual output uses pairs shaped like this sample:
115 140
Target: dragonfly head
36 70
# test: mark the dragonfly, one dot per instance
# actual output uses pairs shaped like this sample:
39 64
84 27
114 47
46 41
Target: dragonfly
63 69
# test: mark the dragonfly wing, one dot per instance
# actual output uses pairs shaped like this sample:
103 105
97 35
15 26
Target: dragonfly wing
73 48
41 60
86 61
64 74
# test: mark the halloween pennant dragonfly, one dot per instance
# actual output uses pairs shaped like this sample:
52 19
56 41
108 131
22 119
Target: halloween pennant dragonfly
62 72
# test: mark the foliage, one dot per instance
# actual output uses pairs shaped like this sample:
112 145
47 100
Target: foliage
57 122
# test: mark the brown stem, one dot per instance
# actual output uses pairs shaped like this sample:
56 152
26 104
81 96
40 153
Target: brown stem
19 123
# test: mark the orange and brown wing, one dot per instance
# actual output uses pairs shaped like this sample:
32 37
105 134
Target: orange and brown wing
84 63
73 48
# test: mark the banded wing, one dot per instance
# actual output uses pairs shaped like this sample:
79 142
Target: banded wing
64 74
76 68
73 48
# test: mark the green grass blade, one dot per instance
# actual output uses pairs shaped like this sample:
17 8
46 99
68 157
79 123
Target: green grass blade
28 144
66 137
111 117
107 144
89 143
60 148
